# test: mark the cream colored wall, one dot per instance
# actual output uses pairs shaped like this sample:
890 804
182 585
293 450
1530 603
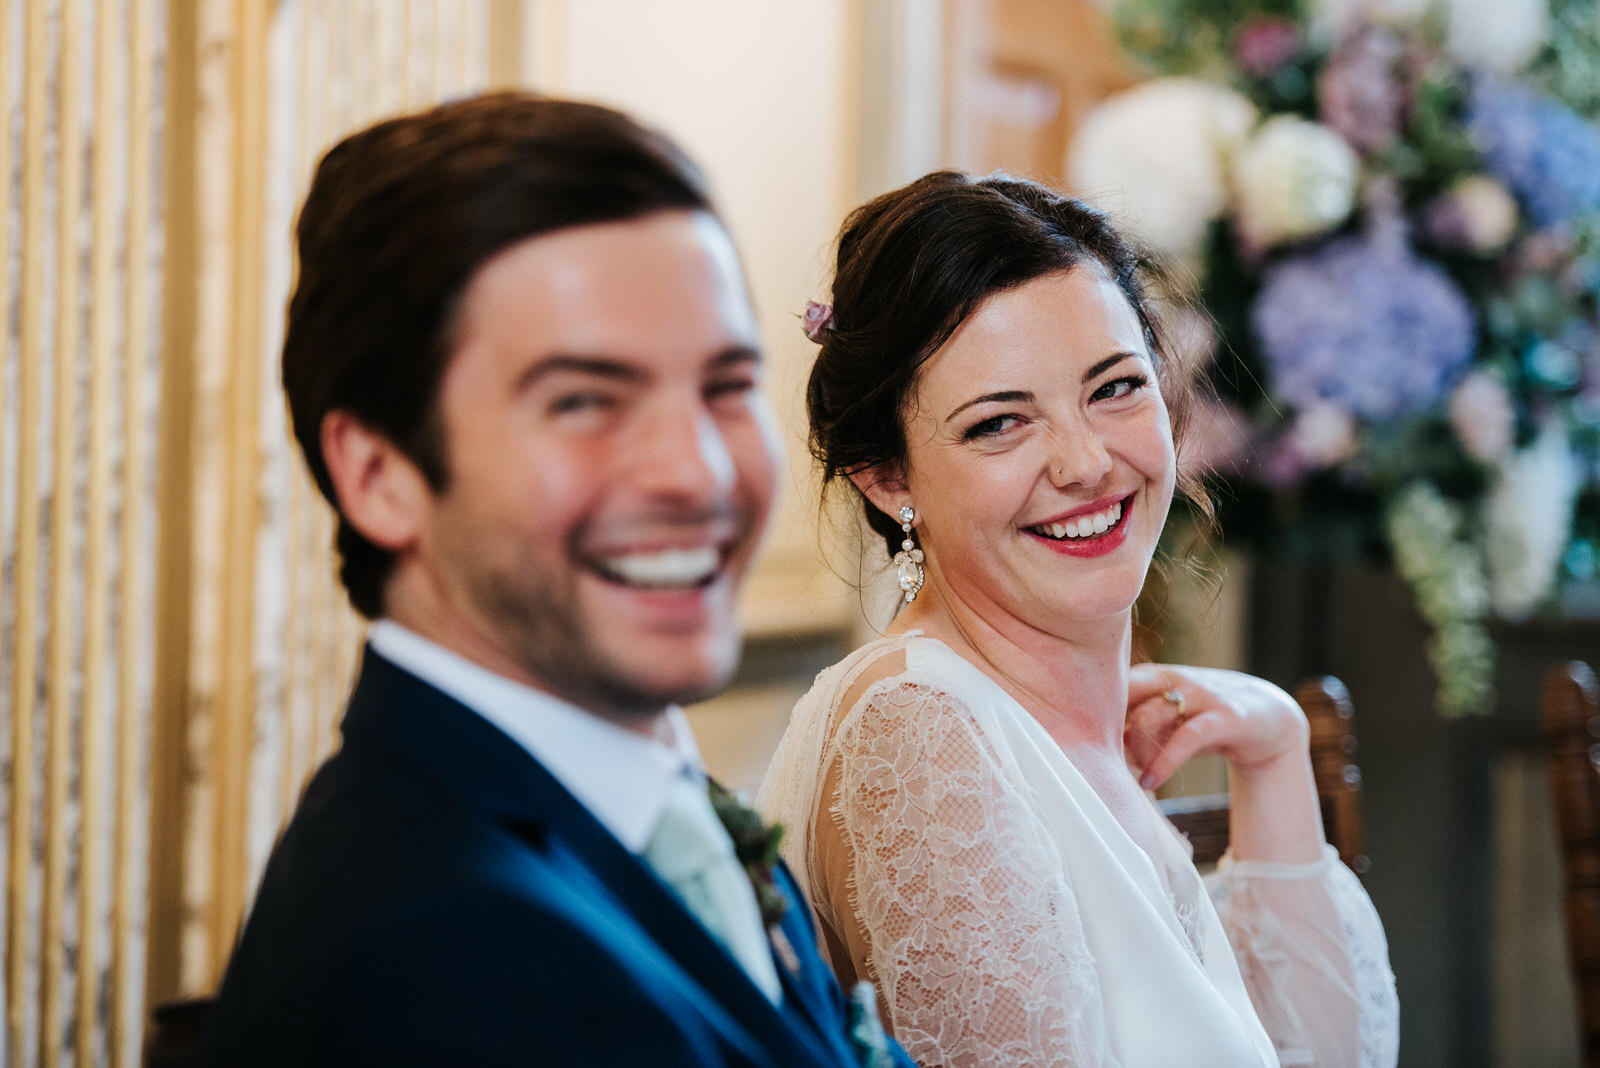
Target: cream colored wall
762 96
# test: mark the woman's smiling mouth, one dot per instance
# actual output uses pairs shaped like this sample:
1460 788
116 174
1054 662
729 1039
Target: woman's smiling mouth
1084 526
1087 533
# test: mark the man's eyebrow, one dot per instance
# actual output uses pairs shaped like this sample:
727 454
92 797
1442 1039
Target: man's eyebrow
1009 396
734 354
598 366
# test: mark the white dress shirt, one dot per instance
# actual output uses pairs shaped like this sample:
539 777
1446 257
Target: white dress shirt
622 777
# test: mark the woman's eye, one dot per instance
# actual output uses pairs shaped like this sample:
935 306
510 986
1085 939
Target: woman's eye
997 424
1120 387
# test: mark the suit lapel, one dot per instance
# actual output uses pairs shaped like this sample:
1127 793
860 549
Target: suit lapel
671 926
474 760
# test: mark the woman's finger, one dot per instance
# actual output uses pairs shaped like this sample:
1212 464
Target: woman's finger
1152 680
1186 741
1150 723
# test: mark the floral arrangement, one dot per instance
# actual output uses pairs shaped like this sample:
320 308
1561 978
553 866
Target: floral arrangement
1391 210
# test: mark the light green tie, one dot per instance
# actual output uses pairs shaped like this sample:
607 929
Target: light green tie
692 853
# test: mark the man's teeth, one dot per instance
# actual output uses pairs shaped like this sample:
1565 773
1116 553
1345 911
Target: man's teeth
666 569
1084 526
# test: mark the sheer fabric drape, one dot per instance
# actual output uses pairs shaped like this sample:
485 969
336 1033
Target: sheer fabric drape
956 858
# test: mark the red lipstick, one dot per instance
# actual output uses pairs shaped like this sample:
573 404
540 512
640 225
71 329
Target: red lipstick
1097 545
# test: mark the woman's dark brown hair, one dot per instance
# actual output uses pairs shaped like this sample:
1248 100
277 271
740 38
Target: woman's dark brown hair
912 265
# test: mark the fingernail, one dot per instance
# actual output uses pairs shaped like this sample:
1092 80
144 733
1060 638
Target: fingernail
1146 781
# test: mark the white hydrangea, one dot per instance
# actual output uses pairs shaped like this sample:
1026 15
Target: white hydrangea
1527 516
1293 179
1496 35
1325 434
1488 212
1483 416
1156 156
1331 19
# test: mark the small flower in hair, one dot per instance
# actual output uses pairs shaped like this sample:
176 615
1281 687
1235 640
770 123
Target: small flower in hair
817 320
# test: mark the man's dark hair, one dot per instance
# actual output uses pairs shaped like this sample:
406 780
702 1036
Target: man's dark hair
399 218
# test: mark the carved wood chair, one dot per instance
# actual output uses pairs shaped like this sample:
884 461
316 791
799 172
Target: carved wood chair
1326 703
1572 731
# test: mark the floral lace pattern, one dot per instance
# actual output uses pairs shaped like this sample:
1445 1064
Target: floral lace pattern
937 852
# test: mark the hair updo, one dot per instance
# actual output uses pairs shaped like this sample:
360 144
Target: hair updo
912 265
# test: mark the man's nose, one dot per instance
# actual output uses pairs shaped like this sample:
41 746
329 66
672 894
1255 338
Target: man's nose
682 455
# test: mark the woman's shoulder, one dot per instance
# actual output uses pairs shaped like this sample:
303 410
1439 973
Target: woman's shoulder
904 660
898 680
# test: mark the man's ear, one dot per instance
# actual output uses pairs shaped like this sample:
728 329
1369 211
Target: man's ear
381 490
884 486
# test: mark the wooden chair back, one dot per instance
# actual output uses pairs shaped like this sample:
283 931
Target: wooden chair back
1326 704
1572 731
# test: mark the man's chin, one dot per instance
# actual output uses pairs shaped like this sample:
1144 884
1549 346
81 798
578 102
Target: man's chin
642 680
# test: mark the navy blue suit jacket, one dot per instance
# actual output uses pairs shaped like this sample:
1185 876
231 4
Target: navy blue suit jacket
440 899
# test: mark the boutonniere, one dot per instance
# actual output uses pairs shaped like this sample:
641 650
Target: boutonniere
755 844
867 1037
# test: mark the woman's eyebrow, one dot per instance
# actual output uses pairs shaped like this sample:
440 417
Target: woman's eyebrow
1018 396
1106 364
1009 396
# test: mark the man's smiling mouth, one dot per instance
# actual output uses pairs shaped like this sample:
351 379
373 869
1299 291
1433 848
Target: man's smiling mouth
664 569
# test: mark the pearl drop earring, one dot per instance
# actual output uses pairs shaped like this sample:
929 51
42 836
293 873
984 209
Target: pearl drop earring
908 561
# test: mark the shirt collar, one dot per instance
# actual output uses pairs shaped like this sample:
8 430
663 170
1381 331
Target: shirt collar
620 776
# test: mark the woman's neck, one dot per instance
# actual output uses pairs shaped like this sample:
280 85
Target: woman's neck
1075 685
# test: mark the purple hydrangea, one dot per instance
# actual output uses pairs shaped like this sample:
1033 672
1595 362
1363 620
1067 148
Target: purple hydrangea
1365 326
1541 149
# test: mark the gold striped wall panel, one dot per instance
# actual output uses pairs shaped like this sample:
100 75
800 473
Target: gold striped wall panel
271 643
174 648
81 138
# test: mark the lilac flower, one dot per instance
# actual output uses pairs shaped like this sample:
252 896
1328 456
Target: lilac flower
1368 327
1359 92
1539 147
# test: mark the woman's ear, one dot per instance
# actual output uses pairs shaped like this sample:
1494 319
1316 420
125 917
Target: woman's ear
381 490
884 486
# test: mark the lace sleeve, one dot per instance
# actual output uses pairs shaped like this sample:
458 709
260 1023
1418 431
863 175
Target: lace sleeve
972 936
1314 958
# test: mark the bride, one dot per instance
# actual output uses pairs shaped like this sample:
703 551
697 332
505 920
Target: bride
967 796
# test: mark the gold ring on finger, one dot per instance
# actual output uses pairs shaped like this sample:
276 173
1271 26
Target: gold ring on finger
1174 697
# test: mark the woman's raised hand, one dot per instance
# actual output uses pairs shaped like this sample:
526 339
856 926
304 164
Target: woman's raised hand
1176 712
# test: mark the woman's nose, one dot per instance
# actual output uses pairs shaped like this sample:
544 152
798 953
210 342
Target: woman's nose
1079 457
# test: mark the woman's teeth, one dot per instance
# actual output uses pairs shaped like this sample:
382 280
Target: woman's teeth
667 569
1083 526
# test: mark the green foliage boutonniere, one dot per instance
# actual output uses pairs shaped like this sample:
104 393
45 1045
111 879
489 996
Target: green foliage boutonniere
755 843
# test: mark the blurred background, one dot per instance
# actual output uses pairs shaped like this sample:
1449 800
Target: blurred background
1381 220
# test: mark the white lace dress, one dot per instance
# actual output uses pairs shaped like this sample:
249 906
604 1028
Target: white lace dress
957 858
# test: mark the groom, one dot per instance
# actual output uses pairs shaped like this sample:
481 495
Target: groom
522 365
